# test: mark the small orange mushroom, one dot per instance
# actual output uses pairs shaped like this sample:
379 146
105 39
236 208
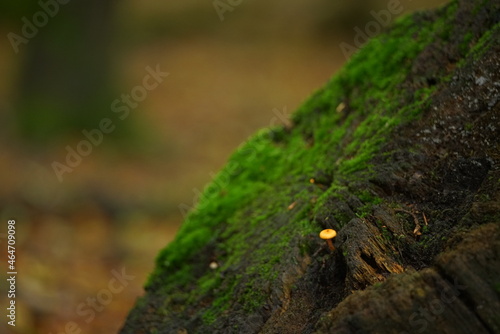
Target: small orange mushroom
328 234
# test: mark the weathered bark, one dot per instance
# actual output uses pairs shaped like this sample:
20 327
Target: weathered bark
398 153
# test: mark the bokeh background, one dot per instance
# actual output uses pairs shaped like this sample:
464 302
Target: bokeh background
121 204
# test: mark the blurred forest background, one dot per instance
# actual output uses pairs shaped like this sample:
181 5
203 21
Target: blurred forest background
120 205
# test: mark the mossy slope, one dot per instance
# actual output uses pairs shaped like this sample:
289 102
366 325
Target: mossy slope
347 161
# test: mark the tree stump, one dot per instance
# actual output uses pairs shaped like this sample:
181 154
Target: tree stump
399 153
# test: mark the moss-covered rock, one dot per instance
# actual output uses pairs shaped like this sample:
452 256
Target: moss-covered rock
398 153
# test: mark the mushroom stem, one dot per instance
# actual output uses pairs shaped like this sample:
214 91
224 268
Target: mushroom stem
330 244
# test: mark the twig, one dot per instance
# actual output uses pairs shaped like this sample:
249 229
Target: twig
416 231
425 219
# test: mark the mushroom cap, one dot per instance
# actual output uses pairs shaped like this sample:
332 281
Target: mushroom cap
328 234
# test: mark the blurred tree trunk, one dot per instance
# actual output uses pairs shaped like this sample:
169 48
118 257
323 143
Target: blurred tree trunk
65 83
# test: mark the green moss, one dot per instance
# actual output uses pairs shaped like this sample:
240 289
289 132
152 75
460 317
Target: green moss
483 43
369 198
465 45
478 7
